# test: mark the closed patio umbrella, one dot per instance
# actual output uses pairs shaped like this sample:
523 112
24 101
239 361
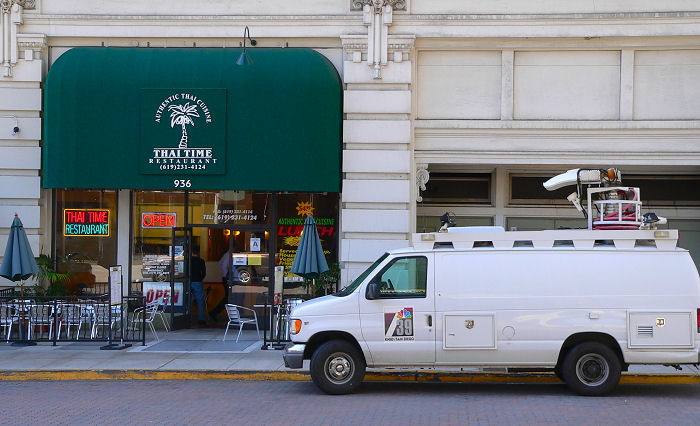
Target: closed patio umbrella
309 261
18 263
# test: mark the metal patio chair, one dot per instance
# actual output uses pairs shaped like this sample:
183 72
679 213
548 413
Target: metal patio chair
101 318
8 318
235 318
160 312
147 312
73 315
40 315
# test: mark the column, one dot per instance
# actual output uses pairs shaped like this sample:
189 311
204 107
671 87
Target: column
20 136
377 160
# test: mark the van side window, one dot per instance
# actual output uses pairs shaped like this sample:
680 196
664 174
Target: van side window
404 277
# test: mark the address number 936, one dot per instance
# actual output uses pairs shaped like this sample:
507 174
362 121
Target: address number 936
182 183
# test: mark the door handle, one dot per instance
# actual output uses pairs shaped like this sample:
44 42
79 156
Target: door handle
430 320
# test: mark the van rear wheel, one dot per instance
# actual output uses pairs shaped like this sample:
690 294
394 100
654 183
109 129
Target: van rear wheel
337 367
591 369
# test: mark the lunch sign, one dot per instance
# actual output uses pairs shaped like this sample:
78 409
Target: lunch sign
183 133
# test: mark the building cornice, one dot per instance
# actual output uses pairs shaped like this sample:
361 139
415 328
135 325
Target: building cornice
425 27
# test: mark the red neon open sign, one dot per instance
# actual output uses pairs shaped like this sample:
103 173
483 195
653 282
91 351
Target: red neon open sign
158 220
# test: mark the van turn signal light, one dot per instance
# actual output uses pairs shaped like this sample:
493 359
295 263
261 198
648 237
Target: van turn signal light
295 326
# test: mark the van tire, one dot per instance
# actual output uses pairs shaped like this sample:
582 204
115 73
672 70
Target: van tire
591 369
337 367
557 372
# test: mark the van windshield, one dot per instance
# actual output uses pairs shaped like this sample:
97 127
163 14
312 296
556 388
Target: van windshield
348 289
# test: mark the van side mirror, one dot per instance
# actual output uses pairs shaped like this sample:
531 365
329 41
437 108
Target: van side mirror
372 291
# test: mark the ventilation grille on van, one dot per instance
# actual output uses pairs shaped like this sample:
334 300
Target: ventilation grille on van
645 331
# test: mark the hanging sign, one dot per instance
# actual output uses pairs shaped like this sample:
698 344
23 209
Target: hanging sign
155 292
85 223
158 220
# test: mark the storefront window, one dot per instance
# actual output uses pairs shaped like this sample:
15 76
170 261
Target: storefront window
86 237
230 208
155 214
292 210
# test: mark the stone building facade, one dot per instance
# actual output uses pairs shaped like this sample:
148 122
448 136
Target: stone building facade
448 105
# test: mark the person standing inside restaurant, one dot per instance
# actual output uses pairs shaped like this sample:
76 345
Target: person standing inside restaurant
198 270
225 266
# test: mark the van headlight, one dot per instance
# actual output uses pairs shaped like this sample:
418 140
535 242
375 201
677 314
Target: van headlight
294 326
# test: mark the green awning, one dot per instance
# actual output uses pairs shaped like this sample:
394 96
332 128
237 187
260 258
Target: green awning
142 118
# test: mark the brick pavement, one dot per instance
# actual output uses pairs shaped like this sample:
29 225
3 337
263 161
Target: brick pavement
241 402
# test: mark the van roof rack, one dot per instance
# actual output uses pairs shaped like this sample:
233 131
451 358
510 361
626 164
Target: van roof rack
665 239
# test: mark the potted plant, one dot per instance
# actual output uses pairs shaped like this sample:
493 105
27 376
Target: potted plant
52 282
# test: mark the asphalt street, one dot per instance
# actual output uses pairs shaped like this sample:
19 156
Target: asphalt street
267 402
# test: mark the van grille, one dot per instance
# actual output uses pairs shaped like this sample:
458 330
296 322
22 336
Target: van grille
645 331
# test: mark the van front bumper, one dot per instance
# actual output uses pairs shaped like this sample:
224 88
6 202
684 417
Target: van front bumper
293 355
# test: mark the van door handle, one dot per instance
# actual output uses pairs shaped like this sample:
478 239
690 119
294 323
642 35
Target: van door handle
430 320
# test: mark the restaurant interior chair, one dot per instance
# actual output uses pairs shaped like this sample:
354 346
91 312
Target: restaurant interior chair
235 318
206 299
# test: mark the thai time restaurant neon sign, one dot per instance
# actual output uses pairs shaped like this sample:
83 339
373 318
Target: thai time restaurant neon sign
85 223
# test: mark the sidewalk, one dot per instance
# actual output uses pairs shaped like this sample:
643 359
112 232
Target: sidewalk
197 349
200 353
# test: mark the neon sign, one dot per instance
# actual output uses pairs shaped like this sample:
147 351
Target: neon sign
85 223
158 220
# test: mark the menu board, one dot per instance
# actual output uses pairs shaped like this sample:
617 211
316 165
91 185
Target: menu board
115 284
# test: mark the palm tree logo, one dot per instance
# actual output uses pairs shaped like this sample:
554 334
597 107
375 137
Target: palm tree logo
181 115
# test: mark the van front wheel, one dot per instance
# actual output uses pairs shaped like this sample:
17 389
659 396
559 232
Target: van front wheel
591 369
337 367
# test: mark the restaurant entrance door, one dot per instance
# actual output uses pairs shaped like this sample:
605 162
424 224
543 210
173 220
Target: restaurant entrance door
238 263
179 300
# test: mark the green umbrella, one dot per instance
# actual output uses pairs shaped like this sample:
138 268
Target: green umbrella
309 261
18 264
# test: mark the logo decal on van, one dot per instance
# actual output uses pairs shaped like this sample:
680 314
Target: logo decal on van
398 326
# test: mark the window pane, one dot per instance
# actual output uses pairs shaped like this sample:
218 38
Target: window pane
405 277
457 188
530 190
230 207
665 190
86 226
155 214
433 224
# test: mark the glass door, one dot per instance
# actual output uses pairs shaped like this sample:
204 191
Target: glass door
238 270
250 270
179 305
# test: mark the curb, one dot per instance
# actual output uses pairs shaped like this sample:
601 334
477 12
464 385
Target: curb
407 377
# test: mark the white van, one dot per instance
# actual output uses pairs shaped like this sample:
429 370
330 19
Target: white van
586 304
